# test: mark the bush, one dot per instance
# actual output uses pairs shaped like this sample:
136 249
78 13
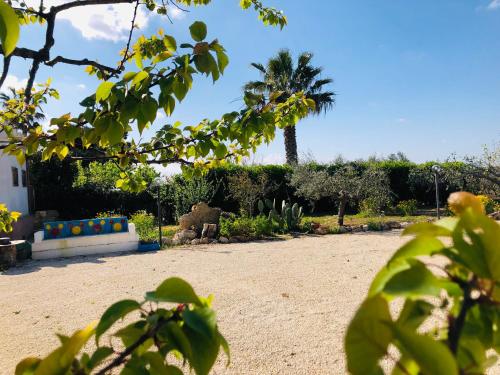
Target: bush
187 192
145 226
408 207
375 226
369 207
489 204
245 226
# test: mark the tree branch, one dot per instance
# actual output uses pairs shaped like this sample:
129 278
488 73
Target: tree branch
79 3
101 67
6 65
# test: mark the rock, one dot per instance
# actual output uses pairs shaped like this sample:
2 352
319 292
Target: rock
166 241
205 241
393 225
213 241
358 228
196 241
223 240
184 236
365 228
200 214
233 240
404 224
320 230
343 229
209 230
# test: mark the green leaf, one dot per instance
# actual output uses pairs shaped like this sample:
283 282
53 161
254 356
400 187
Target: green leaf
115 132
59 361
99 355
443 227
9 28
174 290
368 337
206 349
220 151
27 366
417 281
433 357
139 77
202 320
180 89
103 91
177 338
198 31
385 274
414 313
421 245
114 313
170 43
169 105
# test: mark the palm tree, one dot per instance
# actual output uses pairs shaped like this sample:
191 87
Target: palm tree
281 75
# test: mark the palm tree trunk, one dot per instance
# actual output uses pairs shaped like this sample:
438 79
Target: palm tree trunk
291 145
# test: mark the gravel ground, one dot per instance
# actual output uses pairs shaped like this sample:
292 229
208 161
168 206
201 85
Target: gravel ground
283 306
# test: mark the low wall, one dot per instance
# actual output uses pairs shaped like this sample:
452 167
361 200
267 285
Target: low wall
84 237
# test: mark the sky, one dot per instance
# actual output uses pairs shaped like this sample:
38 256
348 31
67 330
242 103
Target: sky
417 76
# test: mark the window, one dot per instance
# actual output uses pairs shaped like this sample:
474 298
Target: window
15 177
24 179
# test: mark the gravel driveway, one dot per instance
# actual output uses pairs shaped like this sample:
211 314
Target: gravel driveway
282 305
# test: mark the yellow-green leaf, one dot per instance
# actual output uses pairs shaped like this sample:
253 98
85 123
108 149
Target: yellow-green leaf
9 28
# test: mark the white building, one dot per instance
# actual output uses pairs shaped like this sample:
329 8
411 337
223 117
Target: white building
13 182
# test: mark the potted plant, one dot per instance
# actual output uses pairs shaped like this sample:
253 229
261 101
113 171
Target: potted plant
145 227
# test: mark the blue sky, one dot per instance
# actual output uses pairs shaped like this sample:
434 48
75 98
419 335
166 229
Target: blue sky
421 77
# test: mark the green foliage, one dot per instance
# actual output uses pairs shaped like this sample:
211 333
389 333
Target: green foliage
245 226
145 226
246 191
103 176
466 291
190 191
369 207
187 330
7 218
407 208
490 205
376 226
9 28
288 219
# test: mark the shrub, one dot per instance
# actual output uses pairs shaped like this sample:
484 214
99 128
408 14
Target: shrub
187 192
106 214
464 292
408 207
245 226
145 226
247 191
489 204
369 207
376 226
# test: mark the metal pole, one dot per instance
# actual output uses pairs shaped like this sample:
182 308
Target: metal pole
437 194
159 216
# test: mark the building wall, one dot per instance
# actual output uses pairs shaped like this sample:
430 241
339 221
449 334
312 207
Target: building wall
15 197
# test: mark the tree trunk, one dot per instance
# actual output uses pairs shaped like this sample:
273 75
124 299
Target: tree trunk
342 204
290 145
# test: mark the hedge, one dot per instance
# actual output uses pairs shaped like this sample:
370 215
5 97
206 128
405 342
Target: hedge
53 189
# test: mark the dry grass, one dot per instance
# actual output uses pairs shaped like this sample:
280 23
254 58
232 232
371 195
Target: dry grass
331 220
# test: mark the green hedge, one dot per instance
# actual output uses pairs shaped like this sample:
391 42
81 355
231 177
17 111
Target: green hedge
53 189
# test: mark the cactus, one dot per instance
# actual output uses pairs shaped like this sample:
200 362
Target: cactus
261 207
288 218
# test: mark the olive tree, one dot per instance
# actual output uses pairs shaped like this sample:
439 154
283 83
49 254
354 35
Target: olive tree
344 185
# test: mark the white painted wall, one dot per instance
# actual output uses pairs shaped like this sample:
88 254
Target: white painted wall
15 197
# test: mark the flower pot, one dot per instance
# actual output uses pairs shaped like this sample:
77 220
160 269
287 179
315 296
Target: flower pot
148 246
